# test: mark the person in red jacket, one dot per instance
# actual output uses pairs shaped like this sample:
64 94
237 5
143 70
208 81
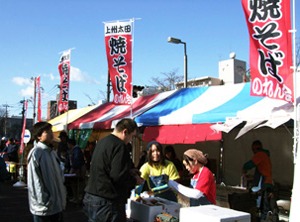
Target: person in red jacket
203 186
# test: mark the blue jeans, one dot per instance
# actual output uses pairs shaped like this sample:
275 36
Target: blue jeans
51 218
99 209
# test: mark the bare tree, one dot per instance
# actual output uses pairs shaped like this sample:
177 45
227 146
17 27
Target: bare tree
167 82
101 96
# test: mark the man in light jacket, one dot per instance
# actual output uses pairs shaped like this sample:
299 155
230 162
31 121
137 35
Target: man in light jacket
46 190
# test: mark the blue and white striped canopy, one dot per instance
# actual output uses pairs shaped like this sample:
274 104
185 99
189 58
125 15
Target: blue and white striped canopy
212 104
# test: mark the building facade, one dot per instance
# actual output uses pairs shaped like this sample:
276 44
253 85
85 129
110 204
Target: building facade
13 126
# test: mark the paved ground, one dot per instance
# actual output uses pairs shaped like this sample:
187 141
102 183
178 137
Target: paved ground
14 206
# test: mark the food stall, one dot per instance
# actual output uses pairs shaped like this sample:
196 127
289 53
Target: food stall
154 209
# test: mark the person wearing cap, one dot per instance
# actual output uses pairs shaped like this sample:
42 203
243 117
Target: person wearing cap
262 180
202 190
157 171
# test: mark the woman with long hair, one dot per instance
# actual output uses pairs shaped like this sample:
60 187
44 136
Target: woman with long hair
157 171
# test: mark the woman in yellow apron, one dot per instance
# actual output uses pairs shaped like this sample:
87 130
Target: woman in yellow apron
157 172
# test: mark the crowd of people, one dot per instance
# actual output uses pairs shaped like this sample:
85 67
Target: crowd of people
112 175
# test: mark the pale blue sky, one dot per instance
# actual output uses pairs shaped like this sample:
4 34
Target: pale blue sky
34 32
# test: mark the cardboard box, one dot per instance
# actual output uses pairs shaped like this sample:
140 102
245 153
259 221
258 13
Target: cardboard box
145 213
212 213
222 193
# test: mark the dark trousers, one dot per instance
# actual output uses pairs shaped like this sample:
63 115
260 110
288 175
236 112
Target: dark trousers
51 218
268 205
99 209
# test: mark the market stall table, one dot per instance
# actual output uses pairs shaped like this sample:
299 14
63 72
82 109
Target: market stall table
222 193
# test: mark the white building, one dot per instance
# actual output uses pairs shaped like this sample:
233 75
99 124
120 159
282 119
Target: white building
231 71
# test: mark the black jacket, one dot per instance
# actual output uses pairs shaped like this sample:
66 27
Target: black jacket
110 170
12 152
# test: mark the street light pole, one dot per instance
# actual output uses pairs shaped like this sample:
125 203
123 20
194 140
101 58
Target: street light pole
178 41
185 66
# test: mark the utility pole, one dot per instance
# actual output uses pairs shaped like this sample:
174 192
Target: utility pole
57 100
108 86
5 120
23 110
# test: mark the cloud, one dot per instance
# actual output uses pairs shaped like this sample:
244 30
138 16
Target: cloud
22 81
28 92
51 76
27 85
78 76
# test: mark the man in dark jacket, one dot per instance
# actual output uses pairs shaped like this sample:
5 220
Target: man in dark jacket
10 152
62 146
75 157
111 176
76 164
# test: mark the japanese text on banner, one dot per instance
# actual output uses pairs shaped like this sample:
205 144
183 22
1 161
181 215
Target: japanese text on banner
64 71
269 22
118 43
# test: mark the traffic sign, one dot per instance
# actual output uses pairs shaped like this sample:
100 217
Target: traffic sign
27 136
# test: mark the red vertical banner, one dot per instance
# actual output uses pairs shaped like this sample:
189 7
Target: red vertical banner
24 127
64 72
39 110
118 42
269 22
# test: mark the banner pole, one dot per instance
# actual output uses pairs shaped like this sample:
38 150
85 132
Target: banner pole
295 198
132 47
67 118
293 31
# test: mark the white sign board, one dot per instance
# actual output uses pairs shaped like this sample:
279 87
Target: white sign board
27 136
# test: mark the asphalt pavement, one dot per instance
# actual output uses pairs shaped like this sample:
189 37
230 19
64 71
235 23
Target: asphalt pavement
14 205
